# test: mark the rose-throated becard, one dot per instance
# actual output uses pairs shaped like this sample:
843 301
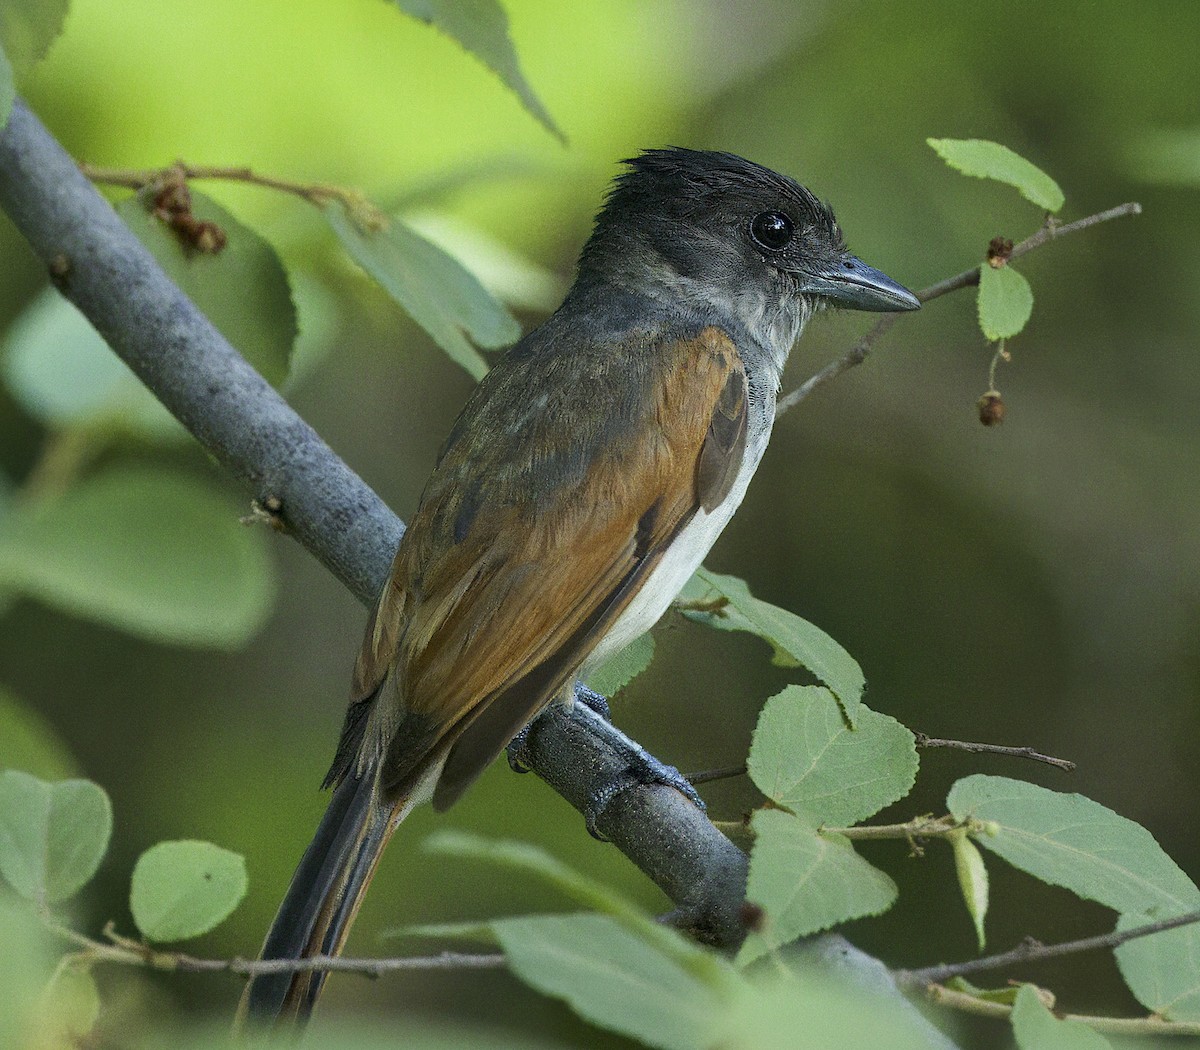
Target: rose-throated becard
585 480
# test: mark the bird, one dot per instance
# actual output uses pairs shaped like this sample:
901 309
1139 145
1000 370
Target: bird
587 476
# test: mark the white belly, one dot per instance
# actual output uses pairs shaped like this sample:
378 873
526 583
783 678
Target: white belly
682 559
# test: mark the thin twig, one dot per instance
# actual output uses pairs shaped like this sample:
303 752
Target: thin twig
1051 231
366 967
1034 951
1142 1026
995 749
706 776
317 193
918 828
130 952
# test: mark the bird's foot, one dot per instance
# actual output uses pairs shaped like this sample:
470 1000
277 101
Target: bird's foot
639 767
517 750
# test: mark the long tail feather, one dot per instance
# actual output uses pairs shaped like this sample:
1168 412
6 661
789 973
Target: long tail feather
321 902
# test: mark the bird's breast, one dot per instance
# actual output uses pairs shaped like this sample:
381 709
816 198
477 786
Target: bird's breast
684 554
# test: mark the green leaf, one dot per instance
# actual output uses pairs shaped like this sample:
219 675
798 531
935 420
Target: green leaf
622 668
815 1010
804 757
530 860
806 881
1068 840
613 978
183 889
62 372
1162 970
243 289
52 836
152 551
70 1008
796 642
29 742
1006 995
1071 841
513 278
990 160
481 27
1036 1028
434 289
972 880
26 964
8 91
1005 301
481 931
522 857
28 28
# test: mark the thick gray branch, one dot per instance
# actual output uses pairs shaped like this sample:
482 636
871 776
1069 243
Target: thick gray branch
105 271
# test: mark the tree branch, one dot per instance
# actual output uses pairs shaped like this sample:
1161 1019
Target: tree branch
125 950
1141 1026
857 354
1034 951
994 749
316 193
282 462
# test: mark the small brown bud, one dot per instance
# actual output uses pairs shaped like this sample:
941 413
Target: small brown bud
60 267
752 916
991 409
173 198
208 237
999 250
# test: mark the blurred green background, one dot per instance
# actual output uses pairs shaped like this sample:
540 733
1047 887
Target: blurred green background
1037 583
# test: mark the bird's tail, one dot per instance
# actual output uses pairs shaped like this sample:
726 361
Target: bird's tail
321 902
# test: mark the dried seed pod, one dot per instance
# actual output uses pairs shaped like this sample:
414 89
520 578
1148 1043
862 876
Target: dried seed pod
991 408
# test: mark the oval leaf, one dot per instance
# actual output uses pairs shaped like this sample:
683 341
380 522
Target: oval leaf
1036 1028
1005 301
27 962
972 880
1069 840
804 757
481 27
612 978
62 371
990 160
622 668
52 836
725 602
434 289
243 289
70 1009
29 742
28 28
155 552
183 889
806 881
1162 970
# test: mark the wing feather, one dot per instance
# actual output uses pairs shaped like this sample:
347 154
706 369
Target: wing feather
502 588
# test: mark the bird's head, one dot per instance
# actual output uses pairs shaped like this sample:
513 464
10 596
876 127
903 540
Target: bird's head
722 233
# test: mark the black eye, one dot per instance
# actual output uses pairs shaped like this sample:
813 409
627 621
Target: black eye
772 229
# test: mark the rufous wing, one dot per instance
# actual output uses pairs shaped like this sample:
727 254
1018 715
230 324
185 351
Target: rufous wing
482 625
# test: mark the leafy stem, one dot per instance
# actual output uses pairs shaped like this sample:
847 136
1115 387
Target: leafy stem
365 214
1143 1026
1032 950
129 952
1050 230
